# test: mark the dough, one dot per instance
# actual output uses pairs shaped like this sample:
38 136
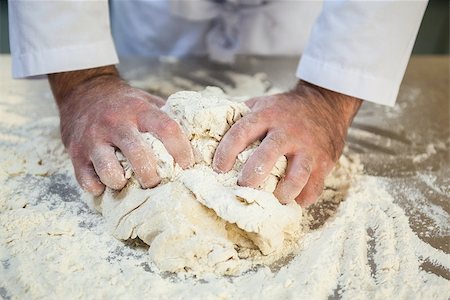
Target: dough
197 220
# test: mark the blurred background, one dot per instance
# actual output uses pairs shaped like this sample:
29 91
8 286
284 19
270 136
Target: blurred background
433 37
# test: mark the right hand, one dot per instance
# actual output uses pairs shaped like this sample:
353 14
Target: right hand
100 113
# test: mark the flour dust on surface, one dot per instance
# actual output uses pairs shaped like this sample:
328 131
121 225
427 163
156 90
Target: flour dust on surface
355 242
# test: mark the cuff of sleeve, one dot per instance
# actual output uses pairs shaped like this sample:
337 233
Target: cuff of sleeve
350 82
64 59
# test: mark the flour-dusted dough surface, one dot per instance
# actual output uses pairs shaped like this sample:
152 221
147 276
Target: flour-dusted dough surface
196 219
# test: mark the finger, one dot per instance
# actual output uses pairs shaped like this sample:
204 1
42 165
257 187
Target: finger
108 167
87 178
170 134
262 160
139 153
251 102
244 132
311 192
158 101
297 174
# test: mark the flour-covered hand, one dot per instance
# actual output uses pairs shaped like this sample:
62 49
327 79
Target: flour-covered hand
307 124
101 113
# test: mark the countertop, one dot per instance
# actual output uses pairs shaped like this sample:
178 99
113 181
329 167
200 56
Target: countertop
407 144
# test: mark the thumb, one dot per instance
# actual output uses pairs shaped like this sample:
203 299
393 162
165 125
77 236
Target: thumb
251 102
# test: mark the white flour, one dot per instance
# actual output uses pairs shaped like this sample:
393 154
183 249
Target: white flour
197 220
52 245
234 84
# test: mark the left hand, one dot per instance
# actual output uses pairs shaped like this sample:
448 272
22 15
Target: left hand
308 125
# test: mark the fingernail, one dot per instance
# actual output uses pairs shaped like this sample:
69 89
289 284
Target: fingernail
243 181
283 199
145 184
94 188
286 201
119 185
216 166
97 191
305 204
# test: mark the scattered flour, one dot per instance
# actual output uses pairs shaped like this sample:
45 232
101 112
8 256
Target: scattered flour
430 150
52 245
197 220
241 86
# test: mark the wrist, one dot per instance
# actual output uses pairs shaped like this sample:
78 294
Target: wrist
343 105
64 83
333 112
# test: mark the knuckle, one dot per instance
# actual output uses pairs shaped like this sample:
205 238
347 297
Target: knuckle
110 173
91 132
237 134
133 149
160 124
250 120
295 179
123 133
109 118
278 139
269 113
137 101
240 130
272 112
317 188
104 167
76 152
305 167
169 127
96 155
128 140
145 171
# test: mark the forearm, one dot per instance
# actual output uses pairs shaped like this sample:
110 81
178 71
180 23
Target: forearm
62 84
333 113
344 105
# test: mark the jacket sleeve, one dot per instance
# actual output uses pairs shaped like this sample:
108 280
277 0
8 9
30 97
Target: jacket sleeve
57 36
361 48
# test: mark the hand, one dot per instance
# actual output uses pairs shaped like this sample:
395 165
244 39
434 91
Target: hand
308 125
99 113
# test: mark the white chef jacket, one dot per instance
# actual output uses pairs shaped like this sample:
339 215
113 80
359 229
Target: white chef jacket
358 48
